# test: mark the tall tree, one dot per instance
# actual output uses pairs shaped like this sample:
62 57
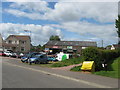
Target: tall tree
118 26
54 38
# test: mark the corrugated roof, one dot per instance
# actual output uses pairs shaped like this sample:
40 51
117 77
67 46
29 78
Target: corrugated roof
71 43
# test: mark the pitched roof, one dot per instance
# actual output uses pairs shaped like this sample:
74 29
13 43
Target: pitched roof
20 37
72 43
8 45
116 45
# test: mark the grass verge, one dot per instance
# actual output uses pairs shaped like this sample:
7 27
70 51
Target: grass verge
76 68
67 62
113 69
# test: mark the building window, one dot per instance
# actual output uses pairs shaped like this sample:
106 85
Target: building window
22 49
23 42
10 41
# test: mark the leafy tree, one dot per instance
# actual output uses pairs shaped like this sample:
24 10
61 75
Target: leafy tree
36 48
54 38
118 26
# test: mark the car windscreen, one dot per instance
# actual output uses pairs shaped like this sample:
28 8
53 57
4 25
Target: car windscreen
37 55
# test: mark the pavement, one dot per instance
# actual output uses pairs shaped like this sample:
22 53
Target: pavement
16 74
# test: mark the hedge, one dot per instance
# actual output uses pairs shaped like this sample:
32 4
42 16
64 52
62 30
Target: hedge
93 54
99 56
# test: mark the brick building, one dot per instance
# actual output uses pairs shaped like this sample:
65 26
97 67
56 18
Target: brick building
18 43
68 46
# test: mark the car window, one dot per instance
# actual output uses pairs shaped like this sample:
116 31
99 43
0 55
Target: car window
38 55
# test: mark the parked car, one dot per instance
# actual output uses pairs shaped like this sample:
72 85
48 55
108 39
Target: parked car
2 53
14 55
37 59
8 53
52 59
19 55
27 56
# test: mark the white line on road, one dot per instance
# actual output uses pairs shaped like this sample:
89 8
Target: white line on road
61 76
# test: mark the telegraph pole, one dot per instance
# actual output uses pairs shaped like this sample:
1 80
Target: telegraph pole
102 43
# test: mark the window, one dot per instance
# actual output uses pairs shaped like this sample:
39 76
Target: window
10 41
23 42
22 49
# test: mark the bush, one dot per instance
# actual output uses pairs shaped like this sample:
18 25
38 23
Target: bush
113 69
93 54
99 56
108 55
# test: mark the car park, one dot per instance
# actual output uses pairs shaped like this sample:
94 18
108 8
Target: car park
37 59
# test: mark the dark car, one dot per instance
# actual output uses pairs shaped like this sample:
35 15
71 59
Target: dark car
37 59
27 56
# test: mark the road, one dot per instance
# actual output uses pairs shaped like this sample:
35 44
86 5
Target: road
16 74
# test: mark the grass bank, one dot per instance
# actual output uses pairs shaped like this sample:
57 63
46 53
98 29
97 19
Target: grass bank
112 70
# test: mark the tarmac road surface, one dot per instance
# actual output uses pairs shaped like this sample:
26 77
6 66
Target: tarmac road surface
16 74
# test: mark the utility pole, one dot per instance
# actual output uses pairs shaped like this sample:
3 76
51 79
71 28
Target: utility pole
102 43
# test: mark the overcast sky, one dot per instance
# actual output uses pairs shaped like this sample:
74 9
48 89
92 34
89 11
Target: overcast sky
76 21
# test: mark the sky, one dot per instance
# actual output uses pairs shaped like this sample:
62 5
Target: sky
88 20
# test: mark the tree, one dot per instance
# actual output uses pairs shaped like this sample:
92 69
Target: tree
118 26
36 48
54 38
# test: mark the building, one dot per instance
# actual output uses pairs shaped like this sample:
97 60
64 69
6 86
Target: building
18 43
68 46
1 42
115 46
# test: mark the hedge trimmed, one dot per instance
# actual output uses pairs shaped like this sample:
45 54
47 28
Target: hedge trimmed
99 56
93 54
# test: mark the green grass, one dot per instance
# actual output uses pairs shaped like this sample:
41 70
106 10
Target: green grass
112 70
67 62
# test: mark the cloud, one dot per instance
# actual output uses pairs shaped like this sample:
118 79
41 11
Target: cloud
102 12
66 11
69 15
40 6
88 31
40 34
18 13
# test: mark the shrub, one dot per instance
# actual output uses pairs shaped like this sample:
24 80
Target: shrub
99 56
93 54
108 55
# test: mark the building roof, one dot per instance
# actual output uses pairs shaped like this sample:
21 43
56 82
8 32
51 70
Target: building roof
20 37
116 45
71 43
8 45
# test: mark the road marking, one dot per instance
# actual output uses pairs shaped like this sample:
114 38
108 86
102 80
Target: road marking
61 76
